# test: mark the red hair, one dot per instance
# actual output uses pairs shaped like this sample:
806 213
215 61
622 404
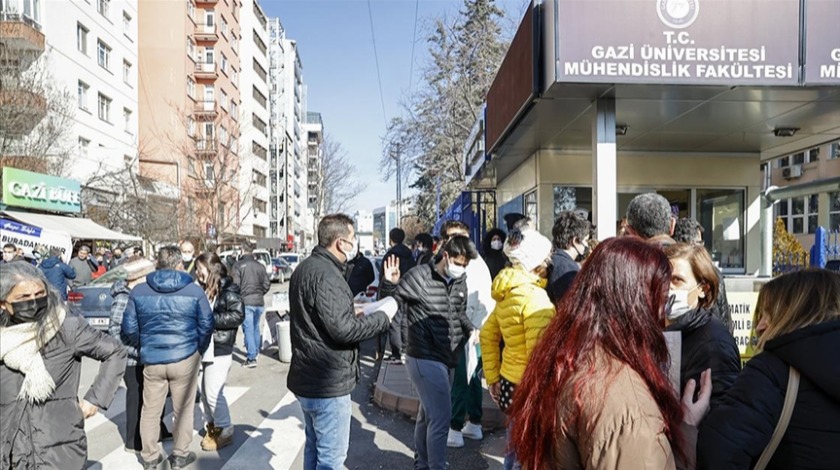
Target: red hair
616 303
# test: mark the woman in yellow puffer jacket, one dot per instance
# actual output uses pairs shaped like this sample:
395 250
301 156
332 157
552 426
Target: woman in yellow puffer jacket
523 310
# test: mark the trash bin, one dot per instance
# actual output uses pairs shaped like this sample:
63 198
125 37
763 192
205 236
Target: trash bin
284 339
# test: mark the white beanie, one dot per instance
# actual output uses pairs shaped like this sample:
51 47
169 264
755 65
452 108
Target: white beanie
531 250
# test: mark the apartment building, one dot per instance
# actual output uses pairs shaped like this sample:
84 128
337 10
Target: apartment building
802 215
190 109
313 128
255 118
89 52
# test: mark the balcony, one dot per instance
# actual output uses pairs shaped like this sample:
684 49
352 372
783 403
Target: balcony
206 71
206 33
206 147
20 36
204 2
206 110
20 111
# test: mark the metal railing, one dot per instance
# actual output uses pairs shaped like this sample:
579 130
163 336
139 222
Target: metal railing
25 19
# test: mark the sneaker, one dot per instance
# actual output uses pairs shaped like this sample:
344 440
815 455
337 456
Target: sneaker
177 463
153 464
473 431
209 441
455 439
250 363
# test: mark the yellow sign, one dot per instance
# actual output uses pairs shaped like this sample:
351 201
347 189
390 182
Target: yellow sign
742 308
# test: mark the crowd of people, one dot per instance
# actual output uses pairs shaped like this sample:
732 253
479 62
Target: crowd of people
615 354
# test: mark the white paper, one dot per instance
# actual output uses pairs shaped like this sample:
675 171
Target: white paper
387 305
280 301
473 353
210 354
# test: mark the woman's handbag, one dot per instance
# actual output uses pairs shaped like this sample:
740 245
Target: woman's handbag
784 420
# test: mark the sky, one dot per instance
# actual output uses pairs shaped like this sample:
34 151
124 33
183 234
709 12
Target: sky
339 69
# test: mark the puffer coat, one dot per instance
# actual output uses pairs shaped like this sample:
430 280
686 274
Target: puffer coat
523 310
51 435
435 319
228 314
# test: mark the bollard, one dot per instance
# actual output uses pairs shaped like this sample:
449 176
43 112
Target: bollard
284 339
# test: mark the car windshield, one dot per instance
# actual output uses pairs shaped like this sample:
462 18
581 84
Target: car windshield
291 258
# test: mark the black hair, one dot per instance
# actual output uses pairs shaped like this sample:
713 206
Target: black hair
493 232
459 246
685 230
450 224
332 227
9 245
169 257
397 235
567 227
425 240
649 215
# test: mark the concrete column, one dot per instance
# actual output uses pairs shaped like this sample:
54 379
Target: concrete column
604 180
766 237
823 218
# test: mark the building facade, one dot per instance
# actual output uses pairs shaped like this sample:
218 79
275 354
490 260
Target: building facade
313 128
189 81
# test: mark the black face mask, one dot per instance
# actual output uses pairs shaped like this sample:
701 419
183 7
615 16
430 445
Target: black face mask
29 311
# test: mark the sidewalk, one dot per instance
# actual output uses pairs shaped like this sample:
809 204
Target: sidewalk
393 391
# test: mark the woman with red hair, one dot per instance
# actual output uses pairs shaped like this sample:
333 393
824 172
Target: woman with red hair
596 392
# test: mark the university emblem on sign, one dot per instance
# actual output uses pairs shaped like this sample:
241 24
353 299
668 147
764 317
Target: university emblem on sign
678 14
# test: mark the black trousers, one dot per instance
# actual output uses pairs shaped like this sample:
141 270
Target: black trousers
133 405
392 338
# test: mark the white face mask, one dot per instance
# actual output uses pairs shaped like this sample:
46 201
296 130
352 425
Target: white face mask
349 254
496 244
680 306
454 271
186 257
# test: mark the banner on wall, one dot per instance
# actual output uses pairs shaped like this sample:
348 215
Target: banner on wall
742 308
30 238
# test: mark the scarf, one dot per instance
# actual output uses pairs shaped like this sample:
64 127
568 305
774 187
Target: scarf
19 351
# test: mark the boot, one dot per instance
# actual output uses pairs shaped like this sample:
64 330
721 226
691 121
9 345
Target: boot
224 437
209 441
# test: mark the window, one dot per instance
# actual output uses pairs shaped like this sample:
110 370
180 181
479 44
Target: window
569 198
81 38
224 27
191 88
209 21
190 48
260 70
191 9
224 100
83 91
834 210
721 213
190 126
259 178
209 55
530 203
103 54
234 42
234 77
259 42
234 110
103 7
210 174
127 72
127 120
800 158
259 97
259 205
209 131
84 145
224 64
800 214
104 108
834 151
223 135
127 24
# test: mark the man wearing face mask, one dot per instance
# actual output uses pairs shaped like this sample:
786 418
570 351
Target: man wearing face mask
188 255
571 238
433 298
326 333
10 253
249 274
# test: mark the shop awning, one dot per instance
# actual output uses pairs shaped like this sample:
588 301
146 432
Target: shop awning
78 228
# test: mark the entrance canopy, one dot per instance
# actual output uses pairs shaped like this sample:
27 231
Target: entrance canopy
78 228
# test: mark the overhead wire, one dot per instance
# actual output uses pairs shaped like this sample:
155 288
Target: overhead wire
413 44
376 58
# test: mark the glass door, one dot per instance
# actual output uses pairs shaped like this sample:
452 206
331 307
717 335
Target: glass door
721 213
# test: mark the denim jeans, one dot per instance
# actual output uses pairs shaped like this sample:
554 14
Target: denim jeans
327 432
432 381
251 330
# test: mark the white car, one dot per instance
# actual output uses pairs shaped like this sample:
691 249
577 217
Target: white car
263 256
293 259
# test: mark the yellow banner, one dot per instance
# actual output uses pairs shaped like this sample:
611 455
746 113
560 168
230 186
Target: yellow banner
742 307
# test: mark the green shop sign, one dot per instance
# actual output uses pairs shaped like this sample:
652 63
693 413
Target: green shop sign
38 191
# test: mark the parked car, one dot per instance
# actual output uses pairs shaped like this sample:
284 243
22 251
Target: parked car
281 272
293 259
93 301
230 258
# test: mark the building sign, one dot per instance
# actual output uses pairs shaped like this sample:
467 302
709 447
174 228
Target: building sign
31 238
742 308
703 42
38 191
822 42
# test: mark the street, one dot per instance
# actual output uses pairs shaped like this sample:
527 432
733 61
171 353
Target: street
269 425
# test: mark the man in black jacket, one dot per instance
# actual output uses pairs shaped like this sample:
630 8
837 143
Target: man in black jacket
360 273
251 277
406 260
326 333
433 298
570 237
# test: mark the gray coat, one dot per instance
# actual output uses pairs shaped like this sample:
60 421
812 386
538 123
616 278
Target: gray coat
83 273
51 435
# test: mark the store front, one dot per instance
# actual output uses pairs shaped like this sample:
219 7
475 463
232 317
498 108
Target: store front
585 114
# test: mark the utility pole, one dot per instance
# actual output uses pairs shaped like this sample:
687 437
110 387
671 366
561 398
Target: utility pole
399 185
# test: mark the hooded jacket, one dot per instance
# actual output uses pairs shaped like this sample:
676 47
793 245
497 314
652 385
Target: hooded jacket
522 312
563 272
168 318
228 315
51 435
325 330
435 310
359 274
58 272
405 256
735 433
707 343
495 259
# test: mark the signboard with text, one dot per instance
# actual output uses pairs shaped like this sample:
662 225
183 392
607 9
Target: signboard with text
701 42
38 191
822 42
30 238
742 308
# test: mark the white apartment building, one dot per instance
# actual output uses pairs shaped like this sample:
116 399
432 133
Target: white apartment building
364 231
313 130
255 120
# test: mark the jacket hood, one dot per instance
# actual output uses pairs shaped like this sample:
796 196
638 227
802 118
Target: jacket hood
509 279
50 262
168 280
120 287
814 352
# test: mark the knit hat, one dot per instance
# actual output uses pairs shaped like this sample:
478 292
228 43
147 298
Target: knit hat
527 248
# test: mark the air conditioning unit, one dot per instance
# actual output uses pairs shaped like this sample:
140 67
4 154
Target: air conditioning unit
792 172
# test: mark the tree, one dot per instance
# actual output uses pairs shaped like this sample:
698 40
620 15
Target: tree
339 186
36 114
465 54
